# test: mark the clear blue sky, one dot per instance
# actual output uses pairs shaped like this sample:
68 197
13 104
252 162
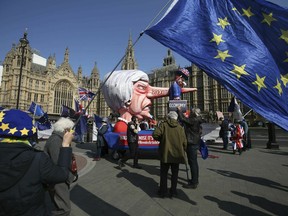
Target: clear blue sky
93 30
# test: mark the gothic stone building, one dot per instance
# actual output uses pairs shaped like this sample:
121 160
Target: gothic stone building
47 85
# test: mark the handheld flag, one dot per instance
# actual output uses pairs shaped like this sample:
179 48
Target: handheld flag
67 112
43 123
234 108
241 44
85 94
36 109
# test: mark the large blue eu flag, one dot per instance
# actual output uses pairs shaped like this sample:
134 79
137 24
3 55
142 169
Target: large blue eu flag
243 44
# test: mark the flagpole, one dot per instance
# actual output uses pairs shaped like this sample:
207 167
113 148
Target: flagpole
247 113
102 84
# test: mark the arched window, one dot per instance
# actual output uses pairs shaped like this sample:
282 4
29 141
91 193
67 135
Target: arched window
63 95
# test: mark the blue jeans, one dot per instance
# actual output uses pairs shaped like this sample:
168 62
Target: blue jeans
192 151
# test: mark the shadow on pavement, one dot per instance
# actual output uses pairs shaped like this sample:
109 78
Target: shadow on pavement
273 207
91 204
256 180
149 185
235 208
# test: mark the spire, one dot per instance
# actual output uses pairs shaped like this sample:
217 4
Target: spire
66 56
129 62
169 59
95 71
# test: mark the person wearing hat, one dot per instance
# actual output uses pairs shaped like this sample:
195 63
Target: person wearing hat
101 143
59 193
24 170
175 89
193 130
172 145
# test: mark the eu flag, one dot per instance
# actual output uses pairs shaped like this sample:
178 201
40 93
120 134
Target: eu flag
43 123
241 44
36 109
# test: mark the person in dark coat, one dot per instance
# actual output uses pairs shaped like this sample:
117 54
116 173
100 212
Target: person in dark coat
224 132
24 170
193 130
59 193
172 145
132 139
101 143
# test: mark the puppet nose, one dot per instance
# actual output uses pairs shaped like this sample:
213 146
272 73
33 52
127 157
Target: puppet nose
157 92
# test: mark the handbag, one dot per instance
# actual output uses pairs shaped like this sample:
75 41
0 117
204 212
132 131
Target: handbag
203 149
73 168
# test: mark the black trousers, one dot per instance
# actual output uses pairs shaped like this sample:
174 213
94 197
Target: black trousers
164 168
133 153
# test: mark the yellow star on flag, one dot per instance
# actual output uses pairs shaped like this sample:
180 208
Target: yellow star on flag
239 71
284 35
217 39
24 131
278 87
4 126
223 22
268 18
34 130
223 55
259 82
12 131
1 116
284 79
247 12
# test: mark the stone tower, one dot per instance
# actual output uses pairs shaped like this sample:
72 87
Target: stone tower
129 62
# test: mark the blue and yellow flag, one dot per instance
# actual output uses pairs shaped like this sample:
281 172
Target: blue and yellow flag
241 44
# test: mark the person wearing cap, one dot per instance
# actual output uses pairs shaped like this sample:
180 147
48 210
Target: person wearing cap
24 170
128 93
172 145
59 193
193 130
175 90
101 143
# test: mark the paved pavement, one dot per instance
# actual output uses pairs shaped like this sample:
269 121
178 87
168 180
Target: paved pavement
254 183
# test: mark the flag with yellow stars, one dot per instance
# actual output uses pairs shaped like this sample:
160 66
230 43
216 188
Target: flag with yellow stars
243 44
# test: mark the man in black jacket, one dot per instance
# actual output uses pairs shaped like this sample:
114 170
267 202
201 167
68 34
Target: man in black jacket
193 130
23 169
132 139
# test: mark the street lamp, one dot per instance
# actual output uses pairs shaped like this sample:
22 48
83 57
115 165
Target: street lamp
23 42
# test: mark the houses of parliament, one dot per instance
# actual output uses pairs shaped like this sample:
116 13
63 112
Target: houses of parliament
51 85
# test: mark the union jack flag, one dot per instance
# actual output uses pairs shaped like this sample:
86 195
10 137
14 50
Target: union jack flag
85 94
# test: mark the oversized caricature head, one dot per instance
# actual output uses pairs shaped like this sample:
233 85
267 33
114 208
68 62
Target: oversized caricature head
129 93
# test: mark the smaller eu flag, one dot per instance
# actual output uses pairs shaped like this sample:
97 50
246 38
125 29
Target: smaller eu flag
36 109
43 123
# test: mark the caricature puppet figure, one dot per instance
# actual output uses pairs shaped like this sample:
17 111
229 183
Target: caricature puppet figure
175 90
128 92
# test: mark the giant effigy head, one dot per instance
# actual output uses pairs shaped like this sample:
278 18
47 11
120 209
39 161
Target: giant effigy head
128 92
